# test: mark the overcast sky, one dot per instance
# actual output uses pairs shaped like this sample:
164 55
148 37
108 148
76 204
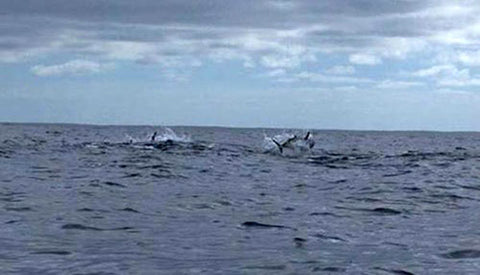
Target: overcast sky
336 64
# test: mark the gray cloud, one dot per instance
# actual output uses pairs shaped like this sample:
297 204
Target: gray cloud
279 34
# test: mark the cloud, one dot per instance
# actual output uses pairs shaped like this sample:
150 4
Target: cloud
448 75
318 77
286 61
364 59
260 27
266 34
350 88
465 57
343 70
276 73
398 85
439 69
459 82
469 58
74 67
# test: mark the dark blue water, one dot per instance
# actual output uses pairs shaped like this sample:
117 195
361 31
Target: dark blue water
102 200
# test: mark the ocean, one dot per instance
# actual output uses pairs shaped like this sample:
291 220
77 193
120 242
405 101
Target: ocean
80 199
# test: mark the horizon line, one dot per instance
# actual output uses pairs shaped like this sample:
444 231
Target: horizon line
237 127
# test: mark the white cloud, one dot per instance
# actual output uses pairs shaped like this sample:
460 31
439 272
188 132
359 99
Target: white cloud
449 75
351 88
276 73
364 59
469 58
343 70
248 63
285 61
272 61
398 85
447 71
286 79
451 37
435 70
448 10
459 82
175 75
74 67
282 5
465 57
401 47
449 91
318 77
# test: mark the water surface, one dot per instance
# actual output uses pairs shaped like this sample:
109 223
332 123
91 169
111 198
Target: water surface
78 199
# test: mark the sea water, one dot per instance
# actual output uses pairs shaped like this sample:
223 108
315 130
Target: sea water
77 199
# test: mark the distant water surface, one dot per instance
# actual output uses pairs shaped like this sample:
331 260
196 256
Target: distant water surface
78 199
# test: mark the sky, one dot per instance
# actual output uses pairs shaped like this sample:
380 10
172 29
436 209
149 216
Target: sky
327 64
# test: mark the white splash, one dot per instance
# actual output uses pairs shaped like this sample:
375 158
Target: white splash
169 134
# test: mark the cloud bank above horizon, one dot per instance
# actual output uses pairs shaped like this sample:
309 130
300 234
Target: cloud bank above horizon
354 47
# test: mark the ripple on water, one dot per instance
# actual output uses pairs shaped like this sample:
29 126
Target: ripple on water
253 224
395 271
12 196
19 209
77 226
326 214
382 211
400 173
52 252
128 209
329 269
385 211
5 154
96 183
266 267
132 175
462 254
329 238
85 209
